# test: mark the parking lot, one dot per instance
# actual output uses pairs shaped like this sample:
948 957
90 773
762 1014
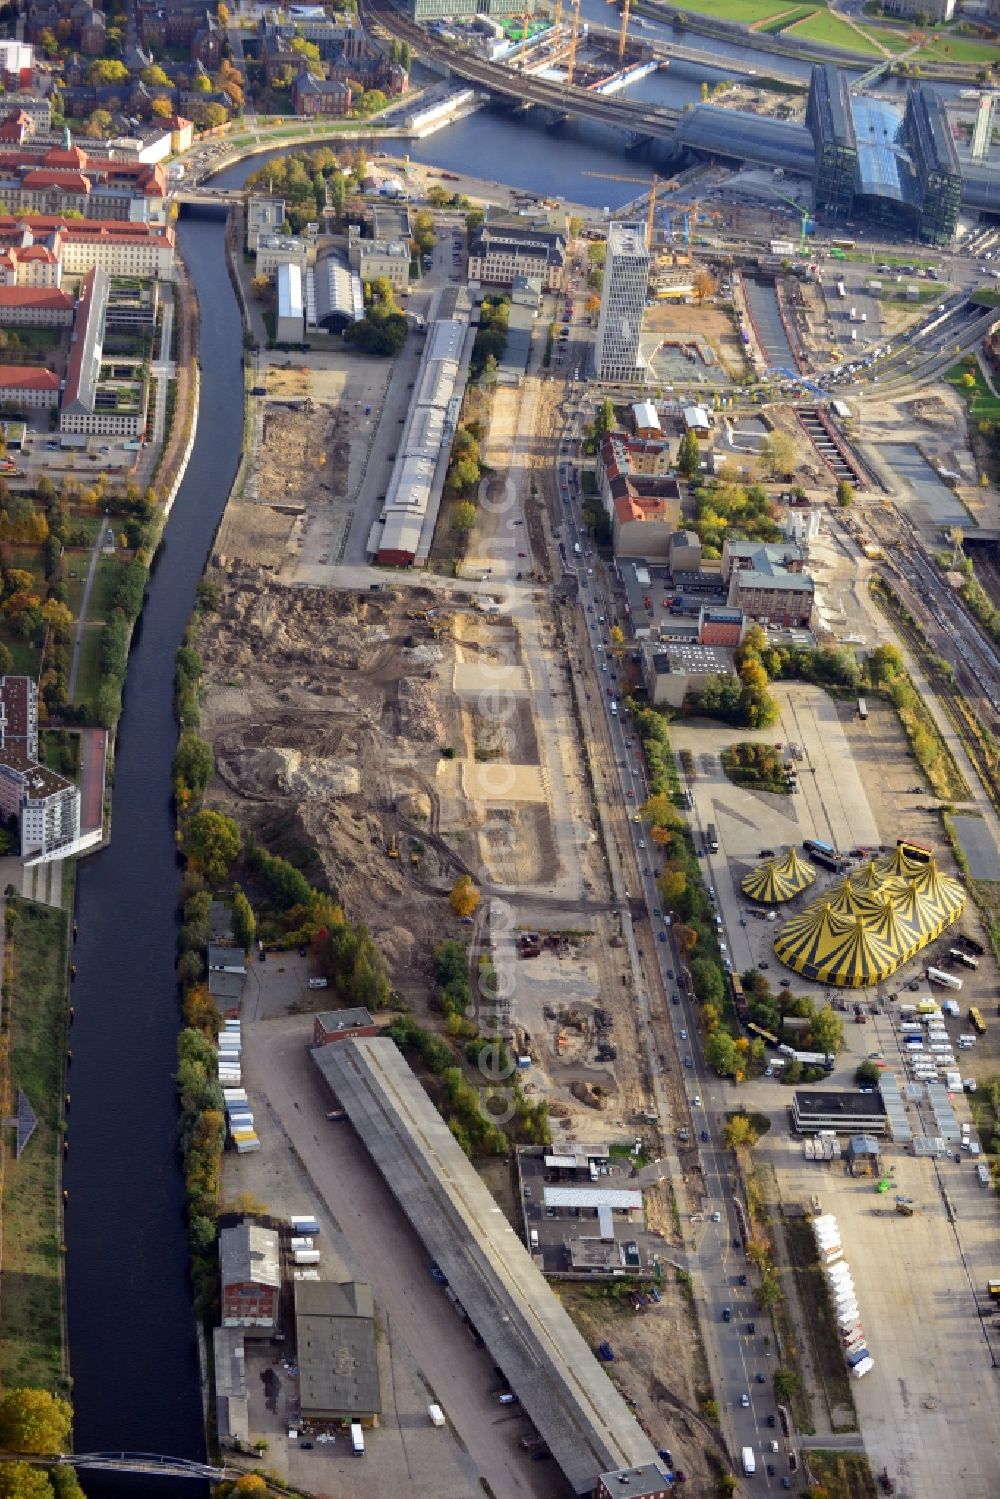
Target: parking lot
926 1407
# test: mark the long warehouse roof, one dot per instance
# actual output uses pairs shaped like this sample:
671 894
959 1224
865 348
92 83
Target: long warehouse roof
575 1408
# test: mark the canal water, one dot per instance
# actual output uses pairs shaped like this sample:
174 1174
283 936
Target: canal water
131 1328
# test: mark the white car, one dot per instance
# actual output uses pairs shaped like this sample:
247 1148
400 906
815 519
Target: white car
696 1100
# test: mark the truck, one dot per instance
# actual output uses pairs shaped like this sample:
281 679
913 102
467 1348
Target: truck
306 1256
946 980
436 1415
864 1367
357 1439
749 1462
304 1224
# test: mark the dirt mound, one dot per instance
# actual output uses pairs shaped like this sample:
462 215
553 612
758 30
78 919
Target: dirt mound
280 771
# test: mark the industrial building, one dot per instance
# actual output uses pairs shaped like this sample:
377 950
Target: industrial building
623 301
250 1277
574 1406
341 1025
289 321
402 533
336 1350
672 671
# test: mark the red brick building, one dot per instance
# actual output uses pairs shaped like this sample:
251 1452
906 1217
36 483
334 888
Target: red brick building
250 1273
342 1025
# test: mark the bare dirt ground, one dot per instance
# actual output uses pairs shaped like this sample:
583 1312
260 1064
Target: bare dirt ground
310 439
674 323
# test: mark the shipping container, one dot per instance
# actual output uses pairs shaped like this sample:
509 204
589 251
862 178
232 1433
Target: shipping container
357 1440
306 1256
247 1146
303 1224
436 1415
301 1243
865 1367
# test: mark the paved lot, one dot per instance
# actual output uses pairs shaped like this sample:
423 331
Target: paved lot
979 847
371 1235
928 1406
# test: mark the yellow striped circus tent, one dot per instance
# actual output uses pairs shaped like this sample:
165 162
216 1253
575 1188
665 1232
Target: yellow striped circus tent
924 919
795 869
883 923
846 899
899 862
940 890
813 931
871 880
840 951
766 885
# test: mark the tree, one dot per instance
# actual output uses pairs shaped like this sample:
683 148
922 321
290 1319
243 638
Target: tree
212 115
672 886
154 77
250 1483
720 1052
58 618
604 418
689 455
739 1133
704 284
884 663
22 1481
827 1030
866 1074
34 1421
371 101
212 842
769 1292
685 937
161 109
200 84
786 1383
465 517
777 454
99 125
222 11
244 923
464 896
309 52
107 70
261 288
706 977
659 810
845 494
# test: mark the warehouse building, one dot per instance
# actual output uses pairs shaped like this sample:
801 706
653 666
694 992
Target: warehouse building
337 1353
289 326
562 1388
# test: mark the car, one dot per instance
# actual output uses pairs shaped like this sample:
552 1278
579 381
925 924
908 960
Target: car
675 999
727 1314
670 974
716 1216
684 1035
630 794
704 1137
745 1400
438 1274
786 1482
763 963
759 1378
657 911
696 1100
642 843
751 1329
771 1422
688 1062
663 938
770 1470
742 1280
306 1446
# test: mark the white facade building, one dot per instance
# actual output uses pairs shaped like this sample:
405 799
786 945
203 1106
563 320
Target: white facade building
623 300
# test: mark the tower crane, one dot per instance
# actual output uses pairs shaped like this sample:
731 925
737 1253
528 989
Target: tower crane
793 203
571 64
557 18
623 34
652 211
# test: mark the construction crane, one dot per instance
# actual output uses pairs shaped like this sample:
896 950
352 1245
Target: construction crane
557 17
652 207
571 64
623 34
793 203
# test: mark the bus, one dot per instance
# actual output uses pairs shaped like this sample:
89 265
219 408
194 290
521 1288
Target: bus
828 861
711 839
976 1021
843 244
766 1036
739 998
958 956
972 945
993 1286
862 709
817 846
920 853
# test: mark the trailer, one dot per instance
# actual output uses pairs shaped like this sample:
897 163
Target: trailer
945 980
303 1224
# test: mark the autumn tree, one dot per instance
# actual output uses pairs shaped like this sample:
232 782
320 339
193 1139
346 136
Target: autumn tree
34 1421
154 76
161 109
250 1483
465 517
704 284
464 896
108 70
212 842
22 1481
739 1133
672 885
685 937
777 455
261 288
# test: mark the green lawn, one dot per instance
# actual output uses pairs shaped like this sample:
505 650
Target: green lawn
88 676
787 18
747 12
822 26
982 403
31 1285
960 49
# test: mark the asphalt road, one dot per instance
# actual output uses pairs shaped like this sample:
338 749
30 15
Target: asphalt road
742 1366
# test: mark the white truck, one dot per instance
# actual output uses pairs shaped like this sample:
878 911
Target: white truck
749 1462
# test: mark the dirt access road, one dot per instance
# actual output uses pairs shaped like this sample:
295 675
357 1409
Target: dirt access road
277 1068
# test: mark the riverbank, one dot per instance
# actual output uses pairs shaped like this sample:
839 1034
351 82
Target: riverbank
33 1060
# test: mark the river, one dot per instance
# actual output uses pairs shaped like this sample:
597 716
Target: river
131 1330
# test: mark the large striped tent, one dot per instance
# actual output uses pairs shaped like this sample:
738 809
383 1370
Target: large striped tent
899 862
867 926
778 880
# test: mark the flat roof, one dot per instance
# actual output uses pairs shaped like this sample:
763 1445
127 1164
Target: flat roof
840 1102
573 1405
342 1020
626 1198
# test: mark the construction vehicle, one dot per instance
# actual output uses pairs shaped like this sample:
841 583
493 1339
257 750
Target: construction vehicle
393 849
803 212
904 1206
883 1184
